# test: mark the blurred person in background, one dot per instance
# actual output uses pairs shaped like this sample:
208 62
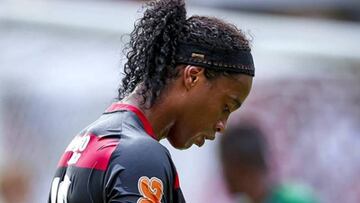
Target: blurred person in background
183 78
244 155
15 185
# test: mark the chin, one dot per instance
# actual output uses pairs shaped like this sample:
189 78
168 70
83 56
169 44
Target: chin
179 145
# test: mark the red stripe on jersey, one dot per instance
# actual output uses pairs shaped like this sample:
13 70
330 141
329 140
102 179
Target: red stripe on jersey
64 159
177 182
94 153
120 106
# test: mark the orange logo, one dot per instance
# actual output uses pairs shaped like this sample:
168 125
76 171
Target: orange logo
150 189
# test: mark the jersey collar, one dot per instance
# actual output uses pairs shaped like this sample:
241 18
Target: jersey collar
117 106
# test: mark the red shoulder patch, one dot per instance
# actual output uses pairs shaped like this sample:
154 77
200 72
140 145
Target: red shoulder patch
89 151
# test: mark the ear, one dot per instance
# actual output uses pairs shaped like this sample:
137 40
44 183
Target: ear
192 75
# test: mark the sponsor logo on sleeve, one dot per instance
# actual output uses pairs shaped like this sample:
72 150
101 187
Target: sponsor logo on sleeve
150 189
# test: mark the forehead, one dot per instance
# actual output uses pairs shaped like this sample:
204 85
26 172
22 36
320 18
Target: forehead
234 86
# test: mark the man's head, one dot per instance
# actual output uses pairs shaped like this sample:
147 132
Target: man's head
243 152
205 105
210 58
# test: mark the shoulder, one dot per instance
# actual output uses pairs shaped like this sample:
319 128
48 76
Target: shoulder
142 151
142 167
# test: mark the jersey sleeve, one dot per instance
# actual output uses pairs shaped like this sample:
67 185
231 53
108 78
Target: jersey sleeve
142 173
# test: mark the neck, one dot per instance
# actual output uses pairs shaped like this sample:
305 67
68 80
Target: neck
161 115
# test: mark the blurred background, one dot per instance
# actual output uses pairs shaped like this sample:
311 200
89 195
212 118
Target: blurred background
61 62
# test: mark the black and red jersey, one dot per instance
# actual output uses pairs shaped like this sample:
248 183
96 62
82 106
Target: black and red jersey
116 159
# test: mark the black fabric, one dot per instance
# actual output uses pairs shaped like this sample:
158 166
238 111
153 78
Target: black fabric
239 61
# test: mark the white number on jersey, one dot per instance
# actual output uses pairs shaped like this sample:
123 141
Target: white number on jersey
59 190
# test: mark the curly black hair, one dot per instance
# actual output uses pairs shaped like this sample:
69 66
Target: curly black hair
153 43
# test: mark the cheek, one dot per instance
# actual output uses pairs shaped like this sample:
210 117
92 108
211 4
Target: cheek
209 110
201 124
199 119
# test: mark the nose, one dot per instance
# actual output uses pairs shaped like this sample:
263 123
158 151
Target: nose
220 126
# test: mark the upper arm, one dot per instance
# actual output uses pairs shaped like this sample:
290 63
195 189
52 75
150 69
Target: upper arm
139 174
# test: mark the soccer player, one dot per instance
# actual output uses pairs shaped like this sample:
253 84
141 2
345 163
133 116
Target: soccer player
243 152
183 78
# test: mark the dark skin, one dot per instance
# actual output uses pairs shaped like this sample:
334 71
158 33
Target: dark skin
193 108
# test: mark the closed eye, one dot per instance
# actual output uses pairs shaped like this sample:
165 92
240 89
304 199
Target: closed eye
226 109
